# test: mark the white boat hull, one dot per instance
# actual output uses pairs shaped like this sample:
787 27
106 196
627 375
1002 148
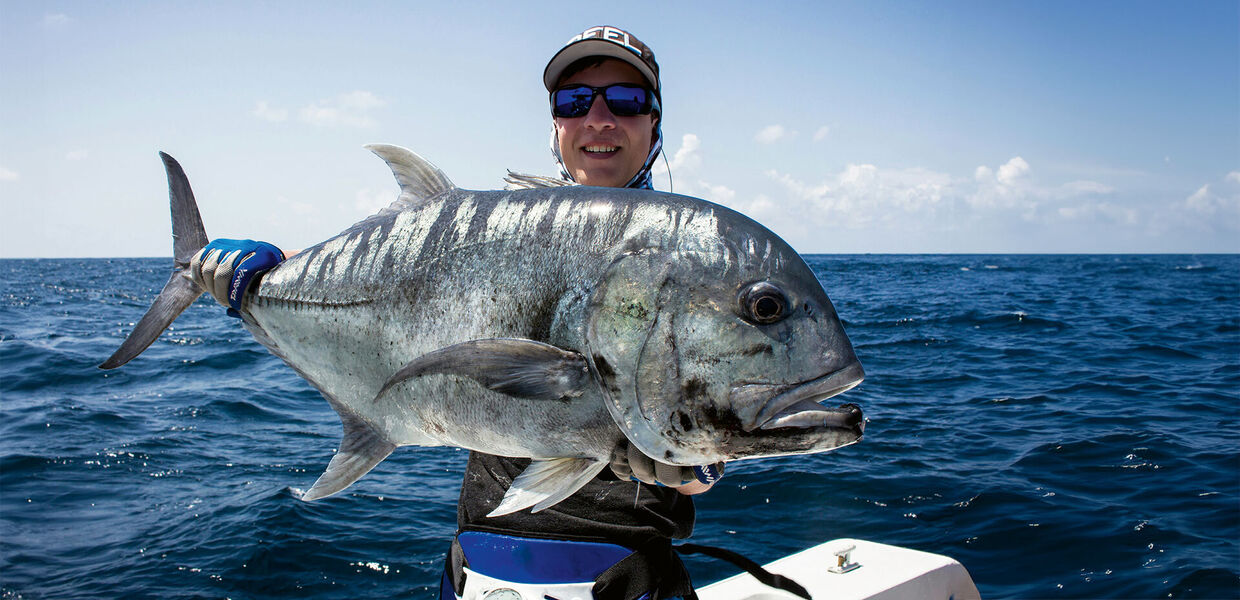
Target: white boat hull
882 572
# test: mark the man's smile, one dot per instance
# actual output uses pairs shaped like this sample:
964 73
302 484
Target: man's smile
601 149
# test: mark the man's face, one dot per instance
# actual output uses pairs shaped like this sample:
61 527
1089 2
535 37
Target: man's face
600 148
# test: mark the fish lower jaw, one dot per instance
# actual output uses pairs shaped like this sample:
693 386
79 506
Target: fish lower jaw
809 414
798 405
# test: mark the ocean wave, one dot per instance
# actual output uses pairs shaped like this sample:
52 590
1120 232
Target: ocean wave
1079 408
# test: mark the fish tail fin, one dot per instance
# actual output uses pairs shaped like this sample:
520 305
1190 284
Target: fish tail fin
188 237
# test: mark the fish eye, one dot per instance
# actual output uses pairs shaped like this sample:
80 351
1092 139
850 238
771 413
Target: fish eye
763 303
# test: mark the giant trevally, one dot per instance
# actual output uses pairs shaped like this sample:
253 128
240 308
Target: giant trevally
550 323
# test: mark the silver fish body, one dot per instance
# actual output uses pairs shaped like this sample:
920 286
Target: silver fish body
554 323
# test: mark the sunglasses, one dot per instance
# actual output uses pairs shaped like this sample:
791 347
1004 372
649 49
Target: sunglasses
623 100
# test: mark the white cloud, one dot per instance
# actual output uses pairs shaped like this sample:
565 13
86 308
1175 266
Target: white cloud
1213 207
900 203
1098 211
361 100
862 195
1007 188
368 202
78 155
1013 171
859 200
822 133
351 109
798 188
1013 189
686 156
1087 187
267 112
55 19
8 175
1200 200
763 209
1208 201
296 208
771 134
685 163
720 194
904 207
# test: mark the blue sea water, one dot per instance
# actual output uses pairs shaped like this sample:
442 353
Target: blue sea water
1065 426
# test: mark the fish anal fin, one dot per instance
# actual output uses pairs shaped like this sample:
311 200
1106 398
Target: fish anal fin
546 482
360 450
516 367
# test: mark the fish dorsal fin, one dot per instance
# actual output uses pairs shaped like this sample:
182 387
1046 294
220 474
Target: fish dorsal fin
418 178
525 181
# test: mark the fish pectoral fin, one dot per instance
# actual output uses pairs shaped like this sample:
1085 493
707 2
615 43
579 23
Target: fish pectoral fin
546 482
516 367
361 449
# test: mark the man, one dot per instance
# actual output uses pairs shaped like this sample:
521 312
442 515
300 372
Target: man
606 109
612 143
614 534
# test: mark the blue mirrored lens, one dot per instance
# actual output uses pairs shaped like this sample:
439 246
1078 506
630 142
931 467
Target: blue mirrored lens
623 100
627 100
572 102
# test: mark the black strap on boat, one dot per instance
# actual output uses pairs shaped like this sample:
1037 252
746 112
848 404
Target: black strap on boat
653 571
751 567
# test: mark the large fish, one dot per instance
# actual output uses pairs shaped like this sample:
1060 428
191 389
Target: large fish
550 323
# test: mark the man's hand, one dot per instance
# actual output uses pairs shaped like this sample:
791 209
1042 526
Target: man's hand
627 462
226 268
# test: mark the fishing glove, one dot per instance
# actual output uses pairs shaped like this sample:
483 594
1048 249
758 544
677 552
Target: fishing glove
226 268
627 462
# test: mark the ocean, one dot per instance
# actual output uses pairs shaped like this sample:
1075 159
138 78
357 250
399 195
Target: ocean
1064 426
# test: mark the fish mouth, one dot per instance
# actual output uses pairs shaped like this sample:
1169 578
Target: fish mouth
797 405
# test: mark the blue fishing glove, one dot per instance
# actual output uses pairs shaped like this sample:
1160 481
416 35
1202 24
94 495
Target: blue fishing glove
226 268
708 474
627 462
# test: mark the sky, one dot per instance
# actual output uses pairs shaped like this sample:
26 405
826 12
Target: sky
845 127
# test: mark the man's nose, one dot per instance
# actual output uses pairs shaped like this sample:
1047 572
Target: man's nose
599 116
